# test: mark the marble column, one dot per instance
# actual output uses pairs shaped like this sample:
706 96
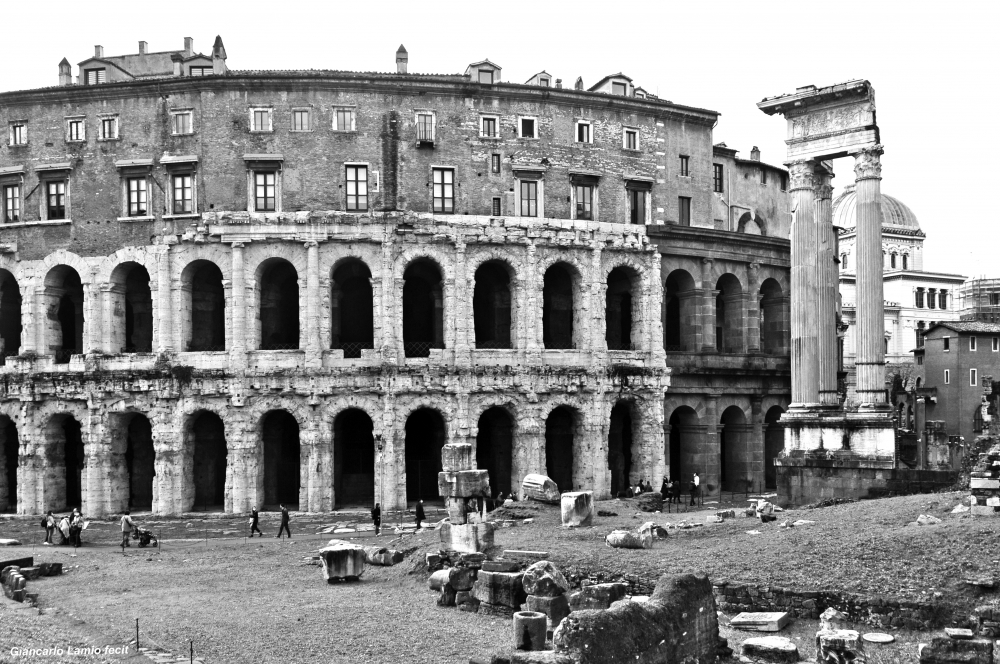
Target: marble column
805 334
827 286
870 349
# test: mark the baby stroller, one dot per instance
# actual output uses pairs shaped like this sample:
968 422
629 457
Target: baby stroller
145 537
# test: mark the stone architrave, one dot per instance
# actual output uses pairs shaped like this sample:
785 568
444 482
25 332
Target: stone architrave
457 456
464 483
342 561
540 488
773 621
577 508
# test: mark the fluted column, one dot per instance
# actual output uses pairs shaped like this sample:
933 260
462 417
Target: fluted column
870 350
805 341
826 308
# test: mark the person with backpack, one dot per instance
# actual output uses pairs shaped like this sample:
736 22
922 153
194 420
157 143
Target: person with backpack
49 524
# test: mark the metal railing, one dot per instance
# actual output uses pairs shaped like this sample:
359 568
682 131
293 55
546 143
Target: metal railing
673 349
206 348
272 345
418 348
493 343
621 345
352 349
63 355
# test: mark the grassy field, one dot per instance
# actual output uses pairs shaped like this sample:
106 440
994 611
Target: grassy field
257 600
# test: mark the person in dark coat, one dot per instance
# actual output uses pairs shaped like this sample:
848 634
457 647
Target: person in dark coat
255 522
665 489
420 513
677 491
377 518
284 522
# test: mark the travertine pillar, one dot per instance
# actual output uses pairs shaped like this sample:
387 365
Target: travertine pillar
827 286
239 295
165 315
313 346
756 456
709 462
707 300
870 350
805 334
753 308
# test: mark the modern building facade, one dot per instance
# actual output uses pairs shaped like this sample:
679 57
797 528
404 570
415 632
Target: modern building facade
222 288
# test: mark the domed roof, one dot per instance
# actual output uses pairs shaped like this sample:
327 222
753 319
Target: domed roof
894 212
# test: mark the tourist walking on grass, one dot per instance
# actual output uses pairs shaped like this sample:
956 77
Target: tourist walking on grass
284 522
255 522
377 518
695 482
127 527
50 525
420 513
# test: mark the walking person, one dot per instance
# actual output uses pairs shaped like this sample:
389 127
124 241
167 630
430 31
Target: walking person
255 522
676 489
377 518
284 522
50 526
695 484
420 513
127 527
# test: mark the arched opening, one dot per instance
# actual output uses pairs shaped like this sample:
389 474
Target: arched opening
423 308
920 382
892 260
623 461
352 307
618 309
734 455
8 465
909 418
491 305
131 309
558 307
204 310
843 261
560 431
680 312
752 224
279 305
774 322
279 433
64 313
684 444
10 316
729 315
494 448
139 462
774 443
353 459
209 461
65 460
906 261
425 436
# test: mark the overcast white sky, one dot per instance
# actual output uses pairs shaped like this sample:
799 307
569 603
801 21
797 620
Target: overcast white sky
934 67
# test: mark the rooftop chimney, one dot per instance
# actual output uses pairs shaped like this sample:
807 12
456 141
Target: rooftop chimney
98 51
579 83
65 72
188 47
178 60
559 83
219 57
402 57
755 154
142 48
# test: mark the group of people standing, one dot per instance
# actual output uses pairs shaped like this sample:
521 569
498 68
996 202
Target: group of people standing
671 489
69 528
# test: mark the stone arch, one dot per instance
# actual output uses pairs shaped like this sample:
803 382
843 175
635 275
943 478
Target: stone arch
130 316
774 443
352 306
64 457
564 434
283 456
680 317
353 457
10 460
425 434
774 323
276 299
494 321
423 307
622 309
729 321
735 455
624 459
10 315
495 429
206 460
685 443
133 458
752 224
203 306
562 313
64 309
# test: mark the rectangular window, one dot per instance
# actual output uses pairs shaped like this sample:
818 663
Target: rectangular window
631 139
942 297
495 163
55 200
12 203
264 186
486 76
343 119
496 206
529 198
527 127
544 82
717 178
425 127
584 201
637 206
994 299
182 123
947 377
583 132
490 127
94 76
763 176
444 190
300 120
18 133
920 360
973 378
684 210
76 130
109 129
919 298
972 343
137 197
947 344
996 344
784 181
181 194
685 163
200 71
357 187
261 118
620 89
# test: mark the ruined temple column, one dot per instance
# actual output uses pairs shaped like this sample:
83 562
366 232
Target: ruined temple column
165 316
827 286
805 293
313 346
870 350
239 295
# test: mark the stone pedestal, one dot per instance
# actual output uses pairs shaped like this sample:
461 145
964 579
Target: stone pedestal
342 561
467 538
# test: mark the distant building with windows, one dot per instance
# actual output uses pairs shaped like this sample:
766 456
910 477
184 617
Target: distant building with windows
979 299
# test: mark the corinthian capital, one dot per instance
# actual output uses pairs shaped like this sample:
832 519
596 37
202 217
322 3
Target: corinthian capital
868 163
800 175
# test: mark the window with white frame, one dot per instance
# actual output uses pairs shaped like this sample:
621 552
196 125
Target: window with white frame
526 127
94 76
973 378
443 190
529 198
356 179
18 132
638 201
136 193
495 162
496 206
947 377
529 194
76 130
583 129
489 126
265 188
55 204
685 165
200 71
181 122
182 195
425 127
630 139
301 119
108 128
344 119
583 196
972 343
946 344
261 118
11 202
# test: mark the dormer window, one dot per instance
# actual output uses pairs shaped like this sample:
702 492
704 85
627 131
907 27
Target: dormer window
200 71
94 76
619 89
486 76
544 82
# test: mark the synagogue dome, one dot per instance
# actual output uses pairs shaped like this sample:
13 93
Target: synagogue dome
894 212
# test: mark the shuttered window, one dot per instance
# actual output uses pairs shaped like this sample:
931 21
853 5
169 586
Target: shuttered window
94 76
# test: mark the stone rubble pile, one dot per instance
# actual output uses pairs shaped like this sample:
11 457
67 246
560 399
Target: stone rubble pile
984 483
14 580
958 646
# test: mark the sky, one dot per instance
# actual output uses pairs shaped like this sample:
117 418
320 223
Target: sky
933 65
